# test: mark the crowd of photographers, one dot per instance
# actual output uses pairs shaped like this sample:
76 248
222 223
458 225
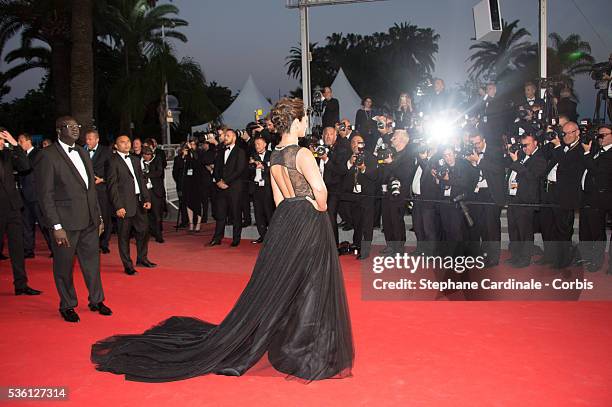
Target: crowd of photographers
453 173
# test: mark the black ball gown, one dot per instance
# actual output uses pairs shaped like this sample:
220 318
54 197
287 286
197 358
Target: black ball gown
293 307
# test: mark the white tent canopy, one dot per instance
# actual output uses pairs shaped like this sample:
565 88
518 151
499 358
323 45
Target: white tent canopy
349 100
242 110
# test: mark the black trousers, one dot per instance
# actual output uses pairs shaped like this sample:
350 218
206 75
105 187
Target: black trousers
393 211
86 245
557 230
31 216
138 226
362 214
11 224
592 234
228 202
485 235
346 213
155 215
520 231
206 198
182 209
333 202
426 224
245 204
264 208
107 211
453 230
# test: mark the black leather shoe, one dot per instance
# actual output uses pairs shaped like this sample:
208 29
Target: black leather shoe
70 315
100 308
129 271
347 227
161 239
29 256
260 240
362 256
3 257
145 263
104 250
387 250
27 291
214 243
234 244
246 223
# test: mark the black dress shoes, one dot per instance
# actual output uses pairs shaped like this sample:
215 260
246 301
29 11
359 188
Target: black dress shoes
104 250
100 308
260 240
27 291
145 263
29 256
129 271
387 250
214 243
236 243
161 239
70 315
3 257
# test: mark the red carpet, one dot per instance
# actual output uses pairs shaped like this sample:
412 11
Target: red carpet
407 353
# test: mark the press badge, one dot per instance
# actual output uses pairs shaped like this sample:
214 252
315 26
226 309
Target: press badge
384 187
357 188
190 172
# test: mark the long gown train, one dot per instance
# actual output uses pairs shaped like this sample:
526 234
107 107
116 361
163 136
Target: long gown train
293 307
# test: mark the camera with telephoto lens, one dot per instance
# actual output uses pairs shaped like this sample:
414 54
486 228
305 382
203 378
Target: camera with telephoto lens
342 127
395 186
255 159
360 156
384 151
588 132
514 145
441 168
317 102
552 132
319 148
383 125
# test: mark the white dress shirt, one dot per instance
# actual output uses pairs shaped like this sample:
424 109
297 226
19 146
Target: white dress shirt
259 179
482 181
76 160
92 151
512 184
228 151
128 161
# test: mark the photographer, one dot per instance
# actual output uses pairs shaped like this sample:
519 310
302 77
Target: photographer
485 235
566 106
259 177
13 158
404 112
331 109
360 183
425 217
527 167
193 172
492 117
597 202
178 171
396 175
345 134
206 156
563 188
456 178
332 165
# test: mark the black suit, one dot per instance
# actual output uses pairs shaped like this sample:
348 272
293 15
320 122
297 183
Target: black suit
493 120
122 193
597 203
331 112
425 217
178 174
486 233
361 188
524 188
262 194
566 193
228 200
333 175
31 212
65 199
402 168
10 210
100 158
154 180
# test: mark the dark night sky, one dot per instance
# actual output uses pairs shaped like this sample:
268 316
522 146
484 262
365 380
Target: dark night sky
232 38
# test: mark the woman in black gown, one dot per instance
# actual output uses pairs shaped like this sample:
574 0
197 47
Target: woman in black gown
293 307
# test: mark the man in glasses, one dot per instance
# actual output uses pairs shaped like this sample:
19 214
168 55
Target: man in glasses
563 187
527 168
66 187
597 201
485 236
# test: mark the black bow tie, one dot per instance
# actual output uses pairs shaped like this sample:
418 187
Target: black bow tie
71 149
92 150
127 157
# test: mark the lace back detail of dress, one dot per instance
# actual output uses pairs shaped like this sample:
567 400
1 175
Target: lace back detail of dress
286 157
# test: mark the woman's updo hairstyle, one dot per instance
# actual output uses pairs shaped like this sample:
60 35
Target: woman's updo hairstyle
284 112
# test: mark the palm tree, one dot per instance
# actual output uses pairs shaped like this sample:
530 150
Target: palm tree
497 60
134 28
48 22
568 57
82 63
